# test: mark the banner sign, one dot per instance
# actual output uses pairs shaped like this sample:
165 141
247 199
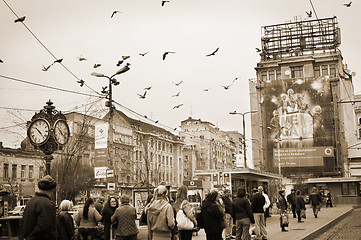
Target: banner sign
302 157
101 135
101 157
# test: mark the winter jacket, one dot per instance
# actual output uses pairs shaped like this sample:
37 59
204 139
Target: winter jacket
65 224
241 208
258 201
93 218
227 204
107 213
291 198
300 203
283 204
40 218
125 215
315 198
212 214
160 216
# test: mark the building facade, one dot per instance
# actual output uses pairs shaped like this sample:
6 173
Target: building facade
303 122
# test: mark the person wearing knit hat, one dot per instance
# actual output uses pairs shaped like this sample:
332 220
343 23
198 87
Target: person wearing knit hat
40 213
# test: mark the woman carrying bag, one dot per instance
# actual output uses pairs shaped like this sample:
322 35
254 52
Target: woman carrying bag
283 210
182 204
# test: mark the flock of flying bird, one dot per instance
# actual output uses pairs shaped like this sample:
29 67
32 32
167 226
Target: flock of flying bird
126 67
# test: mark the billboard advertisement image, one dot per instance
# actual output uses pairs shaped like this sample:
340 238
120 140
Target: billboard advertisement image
299 118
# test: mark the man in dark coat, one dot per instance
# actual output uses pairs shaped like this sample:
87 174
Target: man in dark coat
291 199
226 198
40 213
258 201
316 201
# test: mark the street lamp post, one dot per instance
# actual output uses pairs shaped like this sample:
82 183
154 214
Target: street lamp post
244 133
109 94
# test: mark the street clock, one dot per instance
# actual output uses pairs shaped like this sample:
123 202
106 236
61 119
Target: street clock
61 132
39 131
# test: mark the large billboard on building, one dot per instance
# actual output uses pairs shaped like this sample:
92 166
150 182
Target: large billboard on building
298 121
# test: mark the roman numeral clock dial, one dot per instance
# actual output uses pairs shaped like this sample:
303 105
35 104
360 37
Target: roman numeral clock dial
39 131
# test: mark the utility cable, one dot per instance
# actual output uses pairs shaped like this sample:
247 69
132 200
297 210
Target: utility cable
54 88
43 45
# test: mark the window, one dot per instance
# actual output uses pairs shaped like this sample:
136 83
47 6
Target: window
297 72
359 132
31 172
14 171
278 75
23 169
333 70
317 71
324 70
348 188
264 76
6 170
272 75
359 121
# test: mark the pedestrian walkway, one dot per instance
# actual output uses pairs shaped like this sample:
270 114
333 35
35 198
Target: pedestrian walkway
307 230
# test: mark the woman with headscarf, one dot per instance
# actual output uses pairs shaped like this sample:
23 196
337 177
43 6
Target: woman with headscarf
65 221
182 203
107 213
86 219
212 214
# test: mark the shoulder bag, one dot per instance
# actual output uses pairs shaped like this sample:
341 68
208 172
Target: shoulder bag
183 222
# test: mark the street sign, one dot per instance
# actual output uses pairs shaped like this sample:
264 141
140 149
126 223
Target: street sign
100 172
110 173
111 186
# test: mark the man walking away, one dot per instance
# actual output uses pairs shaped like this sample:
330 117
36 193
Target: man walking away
267 203
40 213
315 200
291 199
258 202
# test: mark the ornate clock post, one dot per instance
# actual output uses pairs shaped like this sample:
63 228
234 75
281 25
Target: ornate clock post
48 131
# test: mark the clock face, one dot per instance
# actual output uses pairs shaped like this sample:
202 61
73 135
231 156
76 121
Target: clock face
39 131
61 131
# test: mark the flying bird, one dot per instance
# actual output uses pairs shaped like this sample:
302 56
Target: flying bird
148 88
115 81
1 61
235 79
46 68
177 95
177 106
81 58
347 4
226 87
163 2
96 65
213 53
156 121
81 82
309 14
104 90
206 90
177 84
115 12
123 69
165 54
143 54
120 62
258 50
142 96
58 60
125 57
20 19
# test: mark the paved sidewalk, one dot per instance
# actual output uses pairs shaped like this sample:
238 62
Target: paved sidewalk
307 230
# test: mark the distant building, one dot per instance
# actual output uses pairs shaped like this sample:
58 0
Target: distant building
354 147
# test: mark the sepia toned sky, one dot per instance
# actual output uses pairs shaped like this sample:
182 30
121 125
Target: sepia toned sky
192 29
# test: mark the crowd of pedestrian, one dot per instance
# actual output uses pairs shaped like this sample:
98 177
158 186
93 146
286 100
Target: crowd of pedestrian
243 217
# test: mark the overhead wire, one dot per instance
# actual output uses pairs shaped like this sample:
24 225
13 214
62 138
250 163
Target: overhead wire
47 49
